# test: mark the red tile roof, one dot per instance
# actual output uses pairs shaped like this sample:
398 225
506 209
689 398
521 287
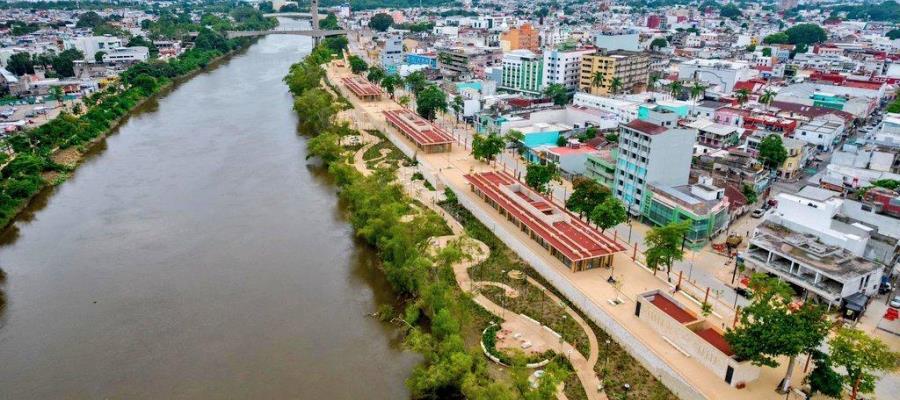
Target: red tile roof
646 127
673 310
361 86
575 239
418 129
716 339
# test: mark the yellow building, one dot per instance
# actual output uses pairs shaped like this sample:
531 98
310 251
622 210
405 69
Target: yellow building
791 166
524 37
630 70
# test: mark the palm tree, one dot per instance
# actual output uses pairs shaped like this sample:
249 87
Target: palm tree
742 96
653 80
599 77
615 84
697 90
675 87
767 97
457 106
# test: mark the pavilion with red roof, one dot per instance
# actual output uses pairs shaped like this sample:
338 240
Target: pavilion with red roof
362 88
575 243
427 137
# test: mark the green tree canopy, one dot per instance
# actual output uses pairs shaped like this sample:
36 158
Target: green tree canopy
416 81
862 357
557 93
357 64
771 326
89 19
664 245
609 213
539 176
20 64
730 11
375 75
381 22
772 152
330 22
486 147
659 43
586 195
431 101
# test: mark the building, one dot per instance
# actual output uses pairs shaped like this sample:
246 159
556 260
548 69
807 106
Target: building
362 88
456 62
91 45
656 152
823 133
624 111
127 55
428 60
392 53
612 42
715 135
601 167
718 75
563 67
522 72
572 241
570 158
695 337
524 37
703 204
631 70
426 136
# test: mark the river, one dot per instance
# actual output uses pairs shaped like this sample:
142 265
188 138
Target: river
197 254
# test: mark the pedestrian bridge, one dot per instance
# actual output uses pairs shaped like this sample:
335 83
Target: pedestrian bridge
316 33
292 15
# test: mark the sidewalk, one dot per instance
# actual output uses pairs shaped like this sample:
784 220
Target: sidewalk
588 290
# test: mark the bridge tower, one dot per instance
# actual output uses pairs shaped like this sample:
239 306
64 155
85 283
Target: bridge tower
314 13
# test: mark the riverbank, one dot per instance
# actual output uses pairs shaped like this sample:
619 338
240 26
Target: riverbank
33 169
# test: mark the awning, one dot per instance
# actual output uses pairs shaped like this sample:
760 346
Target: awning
856 302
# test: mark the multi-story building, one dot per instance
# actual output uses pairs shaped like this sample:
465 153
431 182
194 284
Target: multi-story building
703 204
392 54
719 75
601 167
522 72
714 134
524 37
823 133
91 45
655 151
564 67
629 69
455 62
625 111
126 55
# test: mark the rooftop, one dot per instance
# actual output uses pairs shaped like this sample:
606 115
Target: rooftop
646 127
562 230
361 86
418 129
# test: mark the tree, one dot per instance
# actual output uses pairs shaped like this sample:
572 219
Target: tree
416 81
376 74
586 195
98 56
458 104
823 379
266 7
431 100
749 193
771 326
89 19
675 88
862 356
486 147
316 109
750 48
381 22
57 93
538 176
806 34
329 23
20 64
653 80
767 52
615 84
698 91
357 65
658 43
609 213
557 93
730 11
598 79
893 34
776 38
664 245
767 97
403 101
390 83
64 63
514 137
742 95
336 44
772 152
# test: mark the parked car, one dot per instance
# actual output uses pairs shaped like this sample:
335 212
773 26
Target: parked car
758 213
895 302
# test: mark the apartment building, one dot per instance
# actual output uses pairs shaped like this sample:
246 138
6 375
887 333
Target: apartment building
702 203
631 70
522 72
392 55
564 67
524 37
653 151
718 75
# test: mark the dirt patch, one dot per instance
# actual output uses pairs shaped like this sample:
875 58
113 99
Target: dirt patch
68 157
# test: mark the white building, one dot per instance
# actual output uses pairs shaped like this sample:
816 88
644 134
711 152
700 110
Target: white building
720 75
654 151
91 45
392 54
127 55
625 111
563 67
630 42
821 132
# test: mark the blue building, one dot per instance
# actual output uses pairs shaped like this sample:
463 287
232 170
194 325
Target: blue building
422 59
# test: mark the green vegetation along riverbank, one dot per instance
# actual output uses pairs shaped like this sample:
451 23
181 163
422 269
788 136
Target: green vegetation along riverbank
33 158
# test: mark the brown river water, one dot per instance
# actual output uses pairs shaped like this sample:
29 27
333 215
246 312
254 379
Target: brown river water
197 255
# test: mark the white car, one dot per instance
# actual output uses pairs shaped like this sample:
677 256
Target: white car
895 302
